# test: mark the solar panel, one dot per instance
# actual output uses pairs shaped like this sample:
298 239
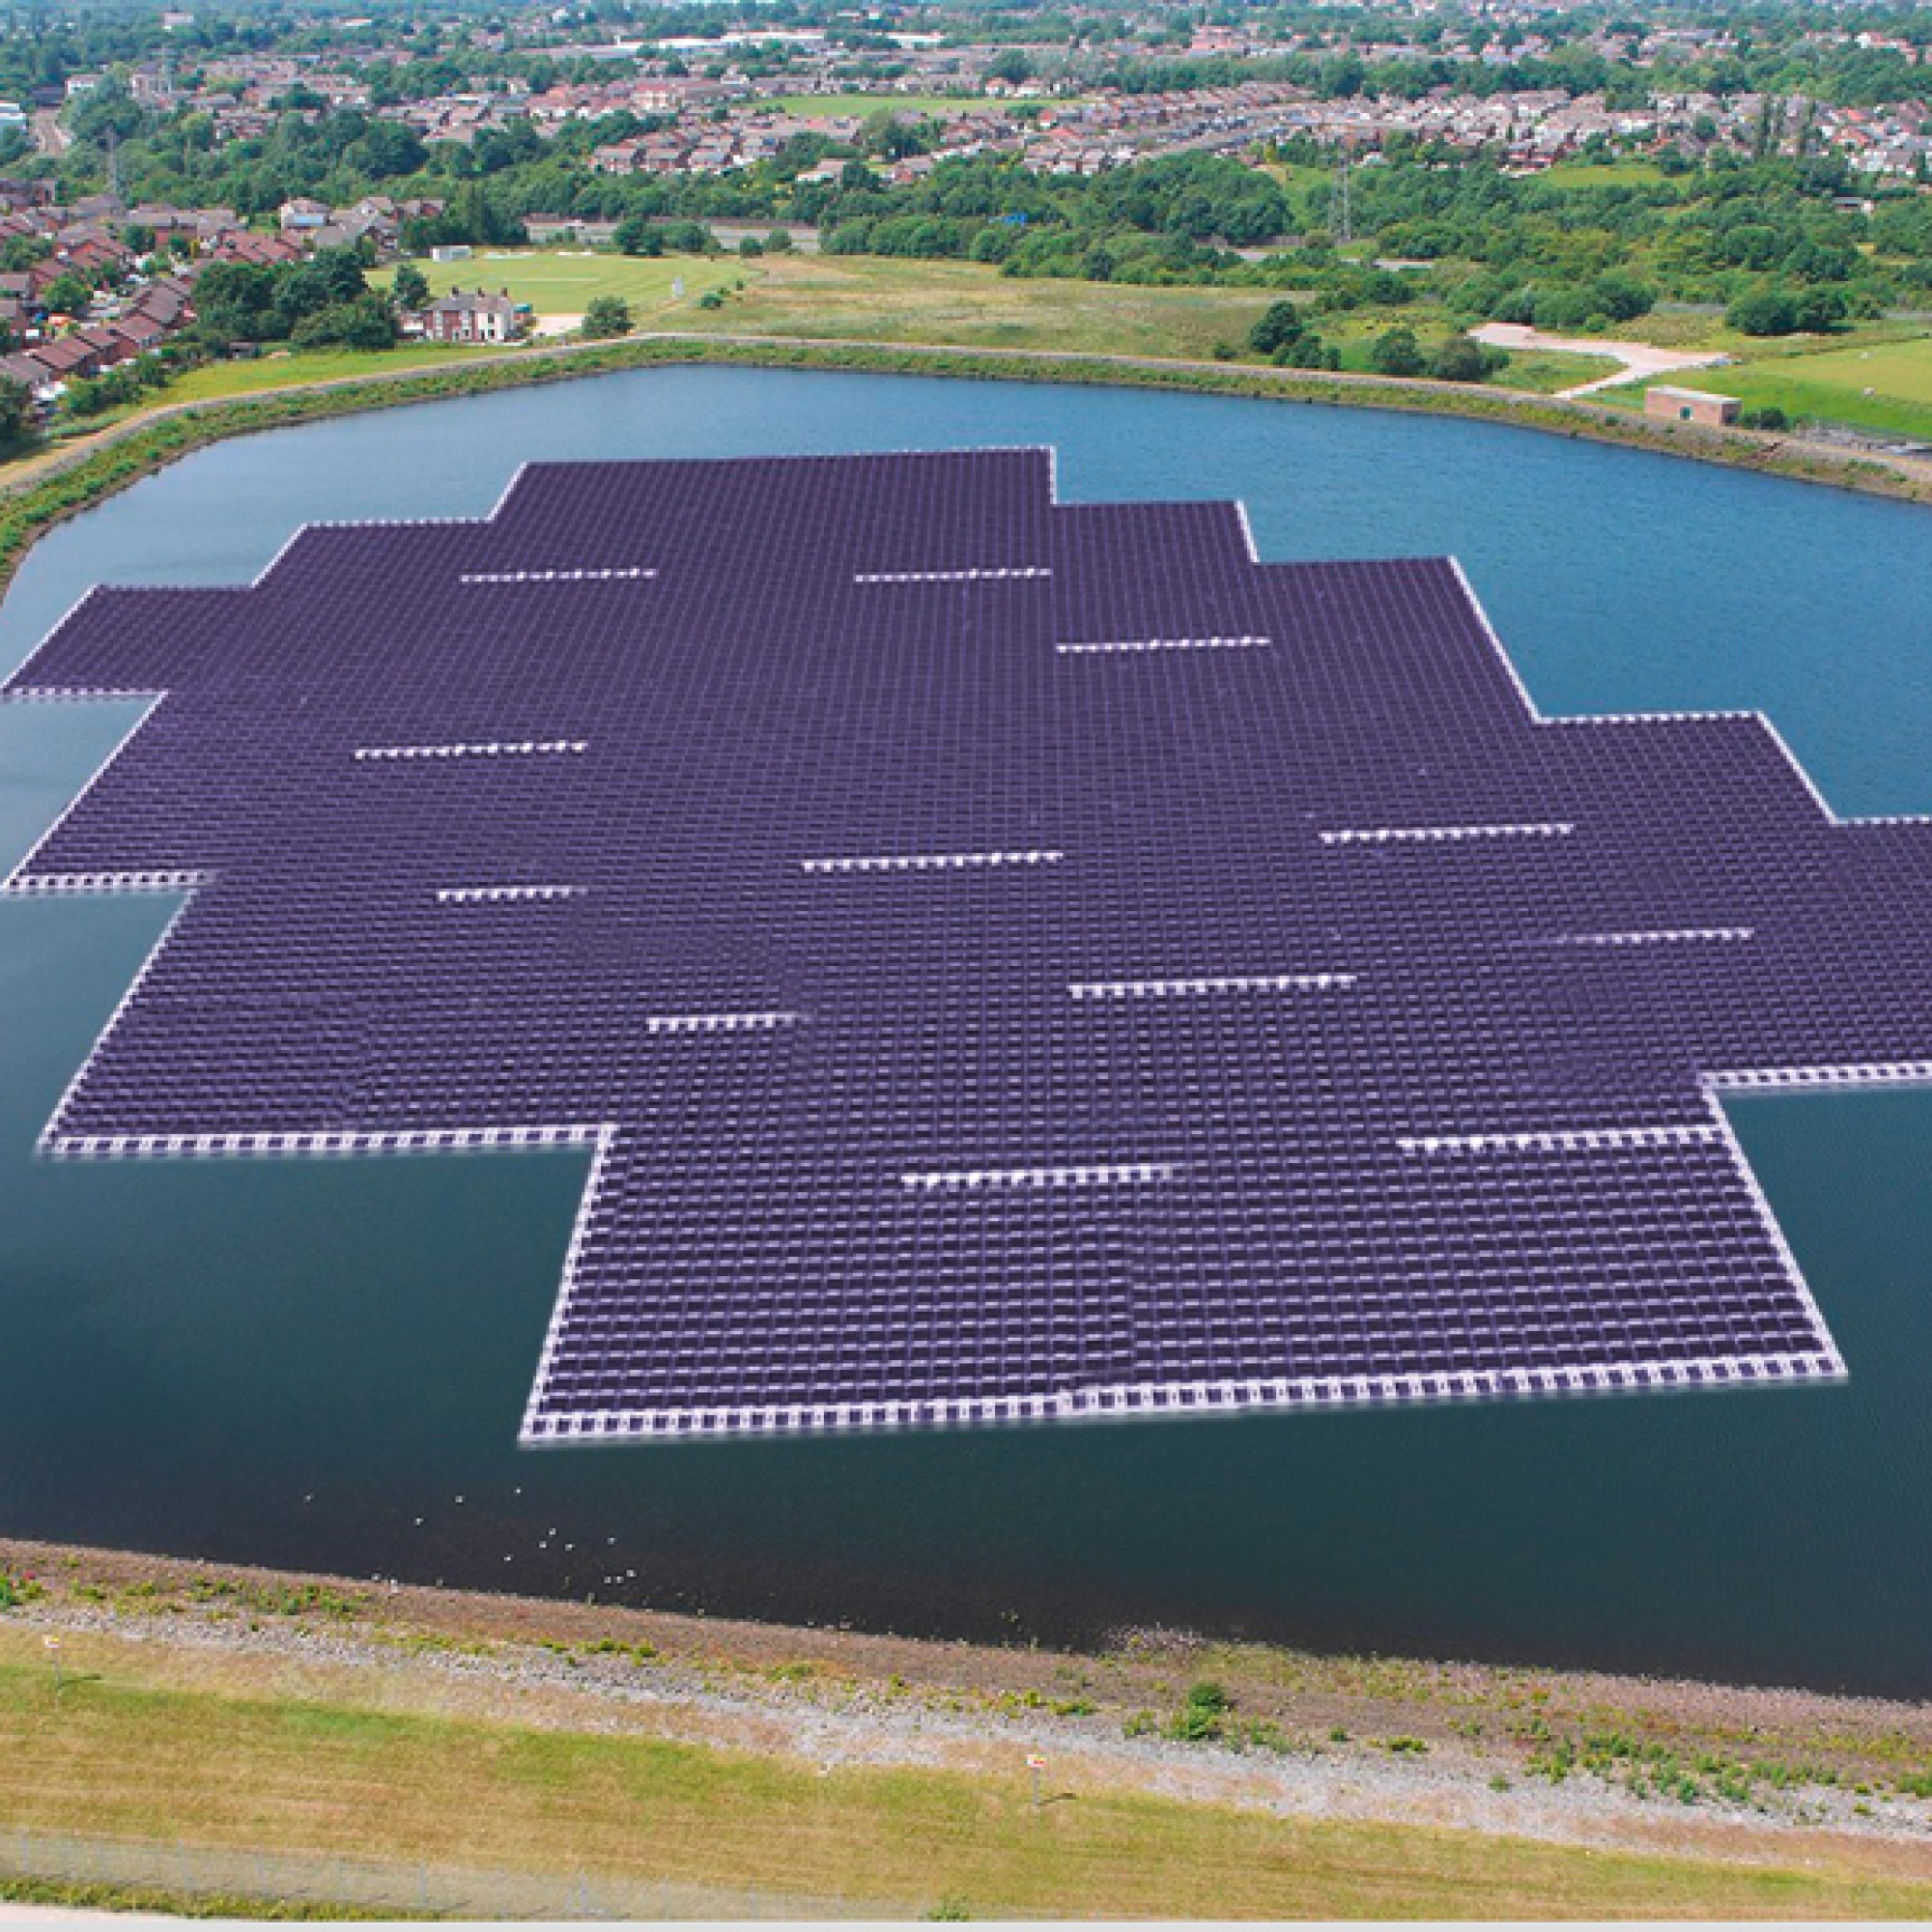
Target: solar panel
1010 959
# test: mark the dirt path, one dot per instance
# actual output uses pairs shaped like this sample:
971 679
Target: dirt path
1638 359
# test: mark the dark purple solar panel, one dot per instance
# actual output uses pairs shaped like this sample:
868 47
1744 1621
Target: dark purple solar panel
1010 960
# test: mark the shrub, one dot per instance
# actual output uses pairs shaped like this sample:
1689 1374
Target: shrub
1203 1717
1763 312
1278 324
1394 352
17 1590
1461 359
606 316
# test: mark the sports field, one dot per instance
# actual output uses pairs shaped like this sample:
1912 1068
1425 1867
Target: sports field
561 281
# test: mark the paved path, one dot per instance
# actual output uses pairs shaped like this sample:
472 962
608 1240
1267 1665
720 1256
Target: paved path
1638 359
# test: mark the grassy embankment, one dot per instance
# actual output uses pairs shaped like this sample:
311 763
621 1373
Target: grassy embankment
173 1744
919 318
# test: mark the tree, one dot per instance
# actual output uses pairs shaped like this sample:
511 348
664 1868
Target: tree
16 412
1620 296
1394 352
1461 359
67 293
410 286
1279 324
1010 66
1762 312
635 236
366 323
606 315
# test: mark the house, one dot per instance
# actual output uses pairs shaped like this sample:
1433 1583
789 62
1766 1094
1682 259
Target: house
242 245
458 317
108 344
300 213
66 358
1665 403
25 370
138 332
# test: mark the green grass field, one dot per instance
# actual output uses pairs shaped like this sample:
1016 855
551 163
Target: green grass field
1879 385
1886 386
849 298
827 106
1587 174
183 1746
559 281
281 371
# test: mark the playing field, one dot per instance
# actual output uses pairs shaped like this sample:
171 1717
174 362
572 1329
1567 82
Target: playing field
561 281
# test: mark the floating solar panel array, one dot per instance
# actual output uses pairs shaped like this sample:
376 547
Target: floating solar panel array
1010 959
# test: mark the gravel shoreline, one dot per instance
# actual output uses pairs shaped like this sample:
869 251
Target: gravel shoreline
1469 1747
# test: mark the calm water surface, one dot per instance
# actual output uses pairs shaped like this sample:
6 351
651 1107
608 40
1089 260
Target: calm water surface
322 1363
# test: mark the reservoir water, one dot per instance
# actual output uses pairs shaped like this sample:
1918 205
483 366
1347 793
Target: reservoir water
322 1363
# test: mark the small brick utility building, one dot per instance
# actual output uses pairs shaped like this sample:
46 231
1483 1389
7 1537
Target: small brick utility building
1691 406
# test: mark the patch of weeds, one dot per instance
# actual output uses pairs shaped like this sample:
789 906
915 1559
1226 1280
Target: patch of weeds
1261 1735
1074 1707
1141 1724
276 1600
1406 1746
950 1909
1203 1717
611 1646
798 1671
15 1590
1337 1735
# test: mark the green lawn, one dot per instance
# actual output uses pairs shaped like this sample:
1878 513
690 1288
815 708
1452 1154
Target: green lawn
561 281
1589 173
819 106
1886 386
218 380
1545 371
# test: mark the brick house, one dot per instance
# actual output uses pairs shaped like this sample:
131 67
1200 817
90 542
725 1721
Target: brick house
458 317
